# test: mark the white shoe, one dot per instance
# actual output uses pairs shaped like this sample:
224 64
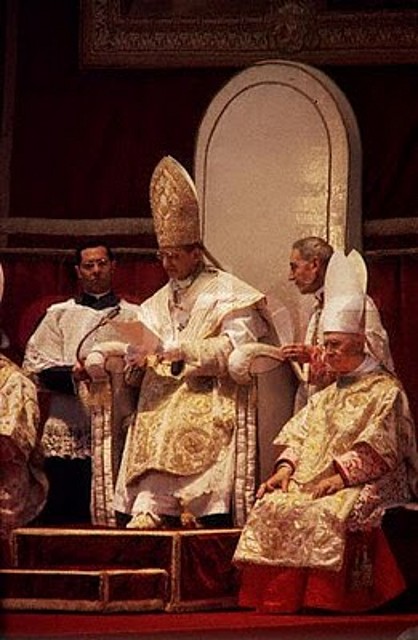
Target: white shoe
189 521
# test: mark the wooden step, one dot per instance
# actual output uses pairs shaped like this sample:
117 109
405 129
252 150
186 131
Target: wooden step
197 566
46 548
84 590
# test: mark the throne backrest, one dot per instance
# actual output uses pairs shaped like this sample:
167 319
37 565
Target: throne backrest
278 157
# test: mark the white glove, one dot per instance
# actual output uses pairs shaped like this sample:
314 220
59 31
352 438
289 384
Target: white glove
95 366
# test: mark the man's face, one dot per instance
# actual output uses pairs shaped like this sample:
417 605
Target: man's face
178 262
95 270
306 274
343 351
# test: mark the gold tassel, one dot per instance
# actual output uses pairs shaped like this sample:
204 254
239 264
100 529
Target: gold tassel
361 572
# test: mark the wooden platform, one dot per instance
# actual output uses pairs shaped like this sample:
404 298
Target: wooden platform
119 570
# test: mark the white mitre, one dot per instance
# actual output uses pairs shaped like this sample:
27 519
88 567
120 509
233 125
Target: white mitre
345 293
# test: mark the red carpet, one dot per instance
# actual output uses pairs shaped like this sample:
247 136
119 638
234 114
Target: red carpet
199 626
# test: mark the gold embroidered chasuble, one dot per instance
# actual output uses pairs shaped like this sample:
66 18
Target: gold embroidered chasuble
23 482
293 529
185 423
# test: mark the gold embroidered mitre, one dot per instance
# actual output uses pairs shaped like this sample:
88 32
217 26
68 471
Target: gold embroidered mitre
174 204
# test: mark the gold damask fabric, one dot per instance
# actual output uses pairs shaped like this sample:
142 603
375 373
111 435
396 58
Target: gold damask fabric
17 399
293 529
183 428
185 424
23 485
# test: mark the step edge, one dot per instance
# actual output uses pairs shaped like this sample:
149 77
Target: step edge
46 604
89 572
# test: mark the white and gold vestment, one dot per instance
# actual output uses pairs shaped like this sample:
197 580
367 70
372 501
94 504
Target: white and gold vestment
23 483
186 424
360 426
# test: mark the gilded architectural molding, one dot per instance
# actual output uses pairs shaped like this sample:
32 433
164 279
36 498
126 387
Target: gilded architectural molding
123 33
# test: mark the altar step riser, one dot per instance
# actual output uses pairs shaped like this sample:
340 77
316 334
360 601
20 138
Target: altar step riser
52 548
117 570
145 590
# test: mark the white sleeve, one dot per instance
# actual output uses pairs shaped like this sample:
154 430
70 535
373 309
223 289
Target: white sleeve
243 326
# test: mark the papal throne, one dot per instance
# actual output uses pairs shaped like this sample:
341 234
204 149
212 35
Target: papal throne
278 157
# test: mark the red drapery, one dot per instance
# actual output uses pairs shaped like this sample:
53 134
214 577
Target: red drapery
394 287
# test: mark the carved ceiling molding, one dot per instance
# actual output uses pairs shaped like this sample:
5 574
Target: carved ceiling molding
112 34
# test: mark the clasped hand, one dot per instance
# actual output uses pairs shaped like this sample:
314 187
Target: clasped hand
328 486
136 355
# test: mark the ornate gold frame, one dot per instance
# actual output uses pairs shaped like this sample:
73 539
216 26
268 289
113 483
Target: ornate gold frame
118 33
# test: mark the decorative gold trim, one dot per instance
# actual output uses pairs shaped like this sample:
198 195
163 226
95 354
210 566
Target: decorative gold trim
176 604
182 606
46 604
171 597
62 531
175 576
117 33
101 603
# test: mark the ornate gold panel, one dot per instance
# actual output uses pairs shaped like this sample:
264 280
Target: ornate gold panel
174 33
